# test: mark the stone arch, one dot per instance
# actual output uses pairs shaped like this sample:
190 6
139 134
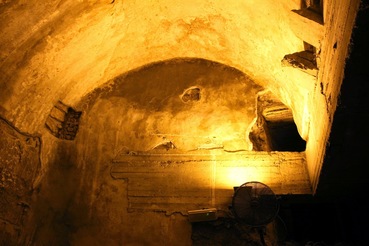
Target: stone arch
150 101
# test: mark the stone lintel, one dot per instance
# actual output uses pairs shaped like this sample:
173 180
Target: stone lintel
308 26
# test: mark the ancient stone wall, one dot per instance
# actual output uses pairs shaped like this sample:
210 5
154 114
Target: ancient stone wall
19 167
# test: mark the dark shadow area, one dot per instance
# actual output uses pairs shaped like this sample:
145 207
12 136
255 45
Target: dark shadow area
275 128
54 214
339 212
345 170
324 220
226 231
17 178
285 137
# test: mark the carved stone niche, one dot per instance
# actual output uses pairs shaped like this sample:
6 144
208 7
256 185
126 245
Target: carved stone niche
63 121
275 129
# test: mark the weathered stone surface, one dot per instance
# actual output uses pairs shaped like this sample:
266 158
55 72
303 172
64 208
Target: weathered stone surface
180 181
146 108
63 50
78 46
19 167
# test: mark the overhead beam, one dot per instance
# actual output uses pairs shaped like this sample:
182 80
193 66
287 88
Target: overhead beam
308 26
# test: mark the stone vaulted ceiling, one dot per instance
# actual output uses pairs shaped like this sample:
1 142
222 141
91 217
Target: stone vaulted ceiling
92 83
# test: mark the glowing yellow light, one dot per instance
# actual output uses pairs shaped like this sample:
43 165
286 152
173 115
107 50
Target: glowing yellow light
240 175
229 177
